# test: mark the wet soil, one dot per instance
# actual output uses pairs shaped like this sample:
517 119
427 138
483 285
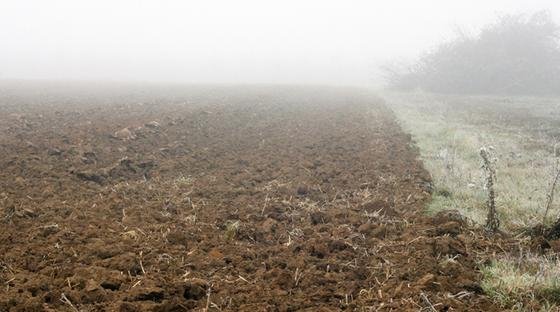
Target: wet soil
271 199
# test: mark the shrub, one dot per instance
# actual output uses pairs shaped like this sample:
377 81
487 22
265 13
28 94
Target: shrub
518 54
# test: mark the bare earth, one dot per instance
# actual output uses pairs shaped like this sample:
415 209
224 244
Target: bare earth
222 198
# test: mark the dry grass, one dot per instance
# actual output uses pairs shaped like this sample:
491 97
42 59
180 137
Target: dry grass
231 229
512 282
183 182
449 132
449 140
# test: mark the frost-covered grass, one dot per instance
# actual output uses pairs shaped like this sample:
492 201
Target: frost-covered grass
450 130
515 282
521 133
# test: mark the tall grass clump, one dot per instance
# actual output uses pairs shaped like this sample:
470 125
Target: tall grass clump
516 282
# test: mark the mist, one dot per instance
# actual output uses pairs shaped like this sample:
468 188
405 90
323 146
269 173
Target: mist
318 42
279 156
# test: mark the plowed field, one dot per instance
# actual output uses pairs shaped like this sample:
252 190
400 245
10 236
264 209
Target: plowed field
225 199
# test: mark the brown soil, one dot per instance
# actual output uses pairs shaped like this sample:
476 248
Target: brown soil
264 199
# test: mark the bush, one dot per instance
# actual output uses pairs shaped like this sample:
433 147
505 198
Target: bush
516 55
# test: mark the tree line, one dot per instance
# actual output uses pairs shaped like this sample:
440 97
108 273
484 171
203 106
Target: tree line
518 54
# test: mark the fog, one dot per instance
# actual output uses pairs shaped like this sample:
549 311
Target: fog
318 42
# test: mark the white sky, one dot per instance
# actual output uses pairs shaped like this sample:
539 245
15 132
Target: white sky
247 41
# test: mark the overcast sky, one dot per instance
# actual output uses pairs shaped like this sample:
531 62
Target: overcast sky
247 41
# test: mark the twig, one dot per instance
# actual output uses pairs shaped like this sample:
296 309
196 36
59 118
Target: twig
427 302
141 265
265 204
297 276
208 298
66 301
136 284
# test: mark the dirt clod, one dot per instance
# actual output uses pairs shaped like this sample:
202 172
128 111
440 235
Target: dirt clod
318 217
195 289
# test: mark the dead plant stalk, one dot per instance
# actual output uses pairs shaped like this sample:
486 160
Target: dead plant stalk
492 221
550 195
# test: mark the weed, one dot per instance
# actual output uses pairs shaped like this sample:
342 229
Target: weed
555 229
492 221
231 229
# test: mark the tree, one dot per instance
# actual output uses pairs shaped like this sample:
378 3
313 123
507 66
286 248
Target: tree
515 55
